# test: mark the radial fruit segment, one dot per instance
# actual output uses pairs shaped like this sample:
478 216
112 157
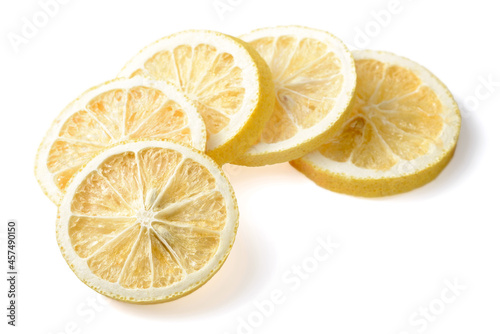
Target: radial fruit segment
147 221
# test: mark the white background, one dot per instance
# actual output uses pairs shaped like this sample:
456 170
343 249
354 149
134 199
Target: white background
395 255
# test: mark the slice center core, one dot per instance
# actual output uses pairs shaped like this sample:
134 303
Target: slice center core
145 217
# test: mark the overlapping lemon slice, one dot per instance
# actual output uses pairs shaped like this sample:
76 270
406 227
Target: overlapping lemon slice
112 112
314 78
147 221
400 134
228 81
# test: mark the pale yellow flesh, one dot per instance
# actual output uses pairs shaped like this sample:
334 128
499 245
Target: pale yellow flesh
147 220
209 77
395 116
110 117
307 78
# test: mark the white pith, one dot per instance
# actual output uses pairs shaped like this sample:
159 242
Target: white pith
151 294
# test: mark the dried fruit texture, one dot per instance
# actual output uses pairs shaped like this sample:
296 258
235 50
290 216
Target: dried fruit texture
400 133
148 218
113 112
308 80
395 116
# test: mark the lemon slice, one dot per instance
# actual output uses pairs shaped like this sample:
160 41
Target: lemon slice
147 221
228 81
401 132
112 112
314 78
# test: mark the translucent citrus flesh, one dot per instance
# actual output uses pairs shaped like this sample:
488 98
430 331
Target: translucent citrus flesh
395 116
111 117
148 219
307 81
209 77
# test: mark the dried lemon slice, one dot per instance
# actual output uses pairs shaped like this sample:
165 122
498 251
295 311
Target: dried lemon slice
112 112
147 221
228 81
314 78
401 132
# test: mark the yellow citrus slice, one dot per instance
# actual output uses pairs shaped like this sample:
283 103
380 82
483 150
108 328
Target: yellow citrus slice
314 78
112 112
147 221
228 81
401 132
